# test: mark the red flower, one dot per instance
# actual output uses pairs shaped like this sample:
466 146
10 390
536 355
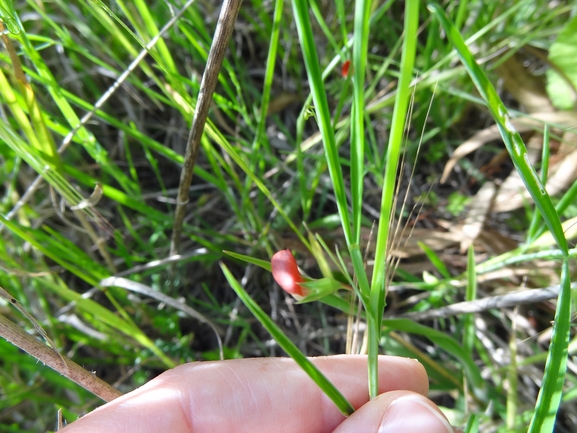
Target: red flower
345 68
286 273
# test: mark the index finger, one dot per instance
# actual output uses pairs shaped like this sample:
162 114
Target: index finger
248 395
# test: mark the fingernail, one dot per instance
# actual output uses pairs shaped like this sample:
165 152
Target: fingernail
410 414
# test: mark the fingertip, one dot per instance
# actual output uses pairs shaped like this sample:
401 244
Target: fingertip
397 411
397 373
413 413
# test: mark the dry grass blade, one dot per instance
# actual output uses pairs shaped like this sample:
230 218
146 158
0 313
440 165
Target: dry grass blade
399 234
502 301
218 49
133 286
90 201
16 304
48 356
477 215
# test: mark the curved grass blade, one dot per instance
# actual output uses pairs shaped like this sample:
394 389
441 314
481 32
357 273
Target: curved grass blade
511 138
555 368
289 347
42 166
260 137
145 290
478 384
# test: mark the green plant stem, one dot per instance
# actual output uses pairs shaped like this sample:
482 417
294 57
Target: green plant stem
377 297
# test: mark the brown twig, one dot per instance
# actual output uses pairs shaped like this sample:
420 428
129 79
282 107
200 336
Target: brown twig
218 49
502 301
68 368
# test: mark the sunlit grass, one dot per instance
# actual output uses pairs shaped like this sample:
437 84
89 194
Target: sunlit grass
290 144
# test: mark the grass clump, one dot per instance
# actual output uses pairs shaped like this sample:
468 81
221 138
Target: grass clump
341 168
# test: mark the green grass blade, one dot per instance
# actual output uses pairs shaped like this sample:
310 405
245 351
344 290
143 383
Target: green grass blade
289 347
85 269
11 100
51 174
55 90
472 424
360 47
471 295
545 155
513 379
239 160
478 385
377 297
342 19
435 260
322 113
567 199
260 137
42 141
248 259
512 139
327 32
555 368
166 60
395 144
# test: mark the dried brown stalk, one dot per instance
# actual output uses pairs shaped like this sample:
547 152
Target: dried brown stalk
501 301
68 368
222 34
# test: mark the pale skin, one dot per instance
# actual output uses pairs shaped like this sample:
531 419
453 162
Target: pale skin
272 395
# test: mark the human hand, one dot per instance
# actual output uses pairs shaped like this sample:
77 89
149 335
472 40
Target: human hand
272 395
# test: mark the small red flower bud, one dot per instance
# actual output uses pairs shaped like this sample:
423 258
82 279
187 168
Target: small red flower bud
286 273
345 68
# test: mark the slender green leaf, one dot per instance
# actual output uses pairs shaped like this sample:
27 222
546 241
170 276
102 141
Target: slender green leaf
377 297
248 259
289 347
512 139
435 260
323 117
359 64
545 155
478 385
549 398
470 295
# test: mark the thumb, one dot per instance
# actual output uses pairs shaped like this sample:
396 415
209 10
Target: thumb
397 411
